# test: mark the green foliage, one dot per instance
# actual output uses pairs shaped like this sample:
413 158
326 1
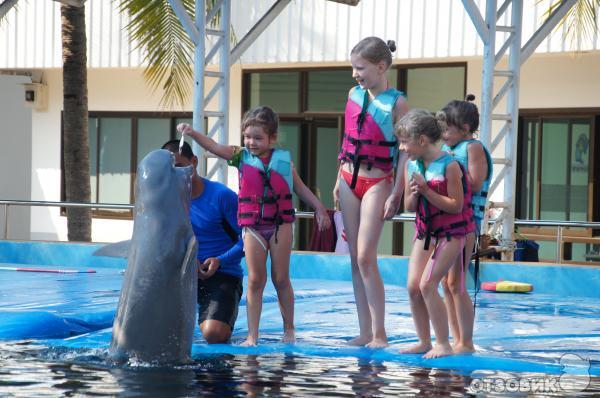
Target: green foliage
581 21
168 50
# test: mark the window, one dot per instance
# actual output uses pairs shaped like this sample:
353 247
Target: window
118 141
311 103
280 90
432 87
555 165
555 177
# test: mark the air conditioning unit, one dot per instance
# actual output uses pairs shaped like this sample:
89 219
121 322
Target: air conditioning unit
36 96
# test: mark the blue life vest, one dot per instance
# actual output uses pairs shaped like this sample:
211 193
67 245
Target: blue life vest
460 153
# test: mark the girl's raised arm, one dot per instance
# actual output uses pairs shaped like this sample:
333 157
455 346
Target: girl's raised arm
453 203
223 151
411 196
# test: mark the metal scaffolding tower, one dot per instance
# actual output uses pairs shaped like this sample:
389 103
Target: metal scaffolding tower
217 37
212 45
500 108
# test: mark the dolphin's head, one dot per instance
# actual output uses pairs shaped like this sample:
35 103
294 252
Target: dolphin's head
160 183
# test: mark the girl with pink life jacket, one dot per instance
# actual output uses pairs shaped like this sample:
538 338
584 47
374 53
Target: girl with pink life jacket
366 189
462 120
437 190
267 179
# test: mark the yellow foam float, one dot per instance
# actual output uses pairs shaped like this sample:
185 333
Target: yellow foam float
507 287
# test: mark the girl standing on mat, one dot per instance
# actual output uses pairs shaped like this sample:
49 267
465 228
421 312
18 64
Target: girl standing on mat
265 211
462 119
365 186
437 189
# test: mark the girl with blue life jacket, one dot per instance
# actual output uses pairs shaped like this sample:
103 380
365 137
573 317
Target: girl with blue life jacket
437 190
462 120
267 179
365 188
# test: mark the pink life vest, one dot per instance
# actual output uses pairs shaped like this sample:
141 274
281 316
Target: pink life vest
432 222
369 132
265 195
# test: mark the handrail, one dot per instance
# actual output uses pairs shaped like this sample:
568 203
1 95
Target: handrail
64 204
300 214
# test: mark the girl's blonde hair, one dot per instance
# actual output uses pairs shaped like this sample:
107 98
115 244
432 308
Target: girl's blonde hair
418 122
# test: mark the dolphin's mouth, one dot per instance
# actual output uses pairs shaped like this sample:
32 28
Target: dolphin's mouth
187 169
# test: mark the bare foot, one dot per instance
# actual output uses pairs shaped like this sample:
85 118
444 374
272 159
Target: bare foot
250 342
438 351
289 337
360 340
420 348
463 348
377 343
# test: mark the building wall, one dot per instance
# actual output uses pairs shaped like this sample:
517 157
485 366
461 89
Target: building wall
306 31
548 81
15 154
119 90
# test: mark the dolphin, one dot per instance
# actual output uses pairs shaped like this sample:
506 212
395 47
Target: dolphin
156 315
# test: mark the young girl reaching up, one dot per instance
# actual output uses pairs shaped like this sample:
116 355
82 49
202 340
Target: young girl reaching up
267 178
462 120
436 188
366 188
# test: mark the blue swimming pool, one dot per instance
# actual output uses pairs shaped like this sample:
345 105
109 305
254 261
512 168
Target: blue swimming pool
55 332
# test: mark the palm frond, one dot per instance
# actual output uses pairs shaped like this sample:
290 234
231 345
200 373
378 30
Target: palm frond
168 50
580 23
5 7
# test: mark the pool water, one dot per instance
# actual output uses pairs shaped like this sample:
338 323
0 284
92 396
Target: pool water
55 332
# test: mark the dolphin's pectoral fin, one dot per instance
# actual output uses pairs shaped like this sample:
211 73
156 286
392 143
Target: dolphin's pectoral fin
190 257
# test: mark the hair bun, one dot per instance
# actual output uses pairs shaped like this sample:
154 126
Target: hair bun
392 45
470 97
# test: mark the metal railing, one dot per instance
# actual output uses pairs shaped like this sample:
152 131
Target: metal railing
560 225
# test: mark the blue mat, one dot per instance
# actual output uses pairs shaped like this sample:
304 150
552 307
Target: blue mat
513 332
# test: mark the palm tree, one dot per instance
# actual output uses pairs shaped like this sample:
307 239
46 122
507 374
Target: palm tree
75 115
75 120
168 50
581 21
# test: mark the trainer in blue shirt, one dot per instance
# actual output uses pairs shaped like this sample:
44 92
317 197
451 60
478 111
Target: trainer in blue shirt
213 214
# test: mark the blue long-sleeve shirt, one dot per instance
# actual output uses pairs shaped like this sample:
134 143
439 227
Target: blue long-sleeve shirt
209 212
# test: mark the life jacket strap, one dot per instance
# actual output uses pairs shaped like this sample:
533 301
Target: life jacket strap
358 141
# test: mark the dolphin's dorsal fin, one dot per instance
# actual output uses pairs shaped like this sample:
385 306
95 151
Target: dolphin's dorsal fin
187 259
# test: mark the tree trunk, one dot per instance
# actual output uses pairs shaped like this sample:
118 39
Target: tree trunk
75 122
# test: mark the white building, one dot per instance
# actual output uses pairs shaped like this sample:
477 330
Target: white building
300 67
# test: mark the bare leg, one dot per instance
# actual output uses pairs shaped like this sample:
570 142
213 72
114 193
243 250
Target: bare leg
450 306
369 232
463 305
350 206
280 275
417 263
446 255
256 258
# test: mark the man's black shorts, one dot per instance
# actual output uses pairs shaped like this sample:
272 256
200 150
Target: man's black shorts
219 298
